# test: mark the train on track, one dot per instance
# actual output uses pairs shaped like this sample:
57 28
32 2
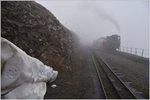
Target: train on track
110 43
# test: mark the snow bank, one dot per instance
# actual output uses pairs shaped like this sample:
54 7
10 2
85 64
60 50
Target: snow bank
23 76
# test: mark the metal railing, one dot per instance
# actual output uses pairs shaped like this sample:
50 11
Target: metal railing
135 51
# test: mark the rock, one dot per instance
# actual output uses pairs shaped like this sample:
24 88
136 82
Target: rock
36 31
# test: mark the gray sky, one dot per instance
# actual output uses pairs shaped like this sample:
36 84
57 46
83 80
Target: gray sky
93 19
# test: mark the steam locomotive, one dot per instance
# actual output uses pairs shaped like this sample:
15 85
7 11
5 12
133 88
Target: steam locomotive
110 43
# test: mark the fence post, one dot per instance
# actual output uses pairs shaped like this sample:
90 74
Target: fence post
131 50
142 52
119 49
136 51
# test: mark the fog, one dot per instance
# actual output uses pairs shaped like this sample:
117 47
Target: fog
91 20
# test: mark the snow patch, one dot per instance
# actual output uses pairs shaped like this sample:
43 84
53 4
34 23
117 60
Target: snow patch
54 86
23 77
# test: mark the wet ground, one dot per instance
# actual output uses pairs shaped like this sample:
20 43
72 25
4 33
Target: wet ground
94 89
82 83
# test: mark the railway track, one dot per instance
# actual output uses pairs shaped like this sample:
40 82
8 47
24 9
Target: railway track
112 86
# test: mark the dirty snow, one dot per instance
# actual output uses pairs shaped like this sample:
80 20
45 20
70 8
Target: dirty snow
22 76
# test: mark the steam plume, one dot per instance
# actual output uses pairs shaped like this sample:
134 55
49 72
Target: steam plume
101 13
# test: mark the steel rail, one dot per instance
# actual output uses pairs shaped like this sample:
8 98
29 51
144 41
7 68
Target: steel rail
99 77
110 93
125 92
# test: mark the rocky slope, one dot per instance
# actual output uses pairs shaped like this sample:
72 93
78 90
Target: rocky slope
37 31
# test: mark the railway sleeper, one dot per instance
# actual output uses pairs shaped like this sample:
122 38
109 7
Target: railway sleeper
120 88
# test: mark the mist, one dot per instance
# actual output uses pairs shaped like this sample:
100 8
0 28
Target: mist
61 49
91 20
